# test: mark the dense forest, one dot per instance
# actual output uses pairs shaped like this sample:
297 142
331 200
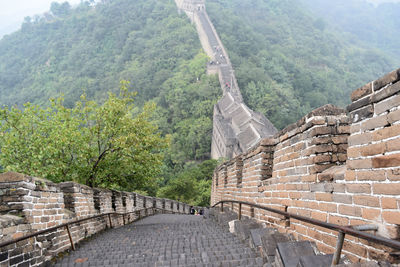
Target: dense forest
287 61
374 25
91 48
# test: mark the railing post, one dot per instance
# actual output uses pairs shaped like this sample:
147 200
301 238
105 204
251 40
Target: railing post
231 206
70 238
240 211
109 218
222 206
338 250
123 218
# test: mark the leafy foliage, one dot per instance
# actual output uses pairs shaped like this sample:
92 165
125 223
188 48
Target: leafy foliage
92 47
287 62
193 185
95 145
377 26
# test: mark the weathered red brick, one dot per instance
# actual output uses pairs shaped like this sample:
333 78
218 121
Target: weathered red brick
375 175
389 203
394 175
366 201
361 92
338 220
387 104
350 210
386 161
386 189
389 78
354 152
391 216
371 214
350 175
373 149
386 133
323 197
394 116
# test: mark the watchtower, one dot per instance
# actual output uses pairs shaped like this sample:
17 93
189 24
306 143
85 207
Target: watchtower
193 5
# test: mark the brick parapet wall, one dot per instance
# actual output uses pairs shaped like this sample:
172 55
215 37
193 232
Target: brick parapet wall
29 204
373 165
334 166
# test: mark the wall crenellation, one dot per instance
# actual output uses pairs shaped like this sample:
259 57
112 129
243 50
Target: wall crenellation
29 204
335 166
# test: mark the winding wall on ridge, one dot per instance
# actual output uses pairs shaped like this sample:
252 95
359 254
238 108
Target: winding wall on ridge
236 127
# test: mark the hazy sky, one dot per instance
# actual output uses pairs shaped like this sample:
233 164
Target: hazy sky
13 12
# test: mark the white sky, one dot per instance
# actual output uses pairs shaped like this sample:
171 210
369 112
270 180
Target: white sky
13 12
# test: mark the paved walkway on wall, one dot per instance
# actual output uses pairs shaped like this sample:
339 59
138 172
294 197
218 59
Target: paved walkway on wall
164 240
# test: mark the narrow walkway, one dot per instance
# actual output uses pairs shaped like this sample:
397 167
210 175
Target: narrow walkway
164 240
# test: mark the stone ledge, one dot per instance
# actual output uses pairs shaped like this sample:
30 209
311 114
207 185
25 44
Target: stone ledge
305 123
373 93
389 78
13 177
332 174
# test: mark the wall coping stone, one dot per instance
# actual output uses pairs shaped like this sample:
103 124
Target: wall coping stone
376 85
13 177
372 93
313 118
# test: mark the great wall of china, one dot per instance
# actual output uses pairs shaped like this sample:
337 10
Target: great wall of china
236 127
333 165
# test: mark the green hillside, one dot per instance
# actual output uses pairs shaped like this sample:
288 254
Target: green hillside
287 61
375 25
92 48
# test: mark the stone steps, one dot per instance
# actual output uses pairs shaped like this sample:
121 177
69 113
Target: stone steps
278 249
164 240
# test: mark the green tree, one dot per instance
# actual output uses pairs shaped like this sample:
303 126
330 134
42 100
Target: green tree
97 145
193 185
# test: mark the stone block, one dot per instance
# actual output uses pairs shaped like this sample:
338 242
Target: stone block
9 177
392 217
349 210
361 92
386 189
362 113
360 139
387 92
394 116
386 161
333 173
373 123
387 104
389 78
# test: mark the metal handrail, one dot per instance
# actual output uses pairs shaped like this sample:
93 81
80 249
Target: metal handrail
341 229
67 224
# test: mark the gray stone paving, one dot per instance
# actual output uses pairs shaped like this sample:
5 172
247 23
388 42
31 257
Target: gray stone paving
164 240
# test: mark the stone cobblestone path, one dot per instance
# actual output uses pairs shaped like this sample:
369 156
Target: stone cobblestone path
164 240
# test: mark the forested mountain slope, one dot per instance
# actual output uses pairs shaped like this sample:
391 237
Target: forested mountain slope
287 62
92 48
375 25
